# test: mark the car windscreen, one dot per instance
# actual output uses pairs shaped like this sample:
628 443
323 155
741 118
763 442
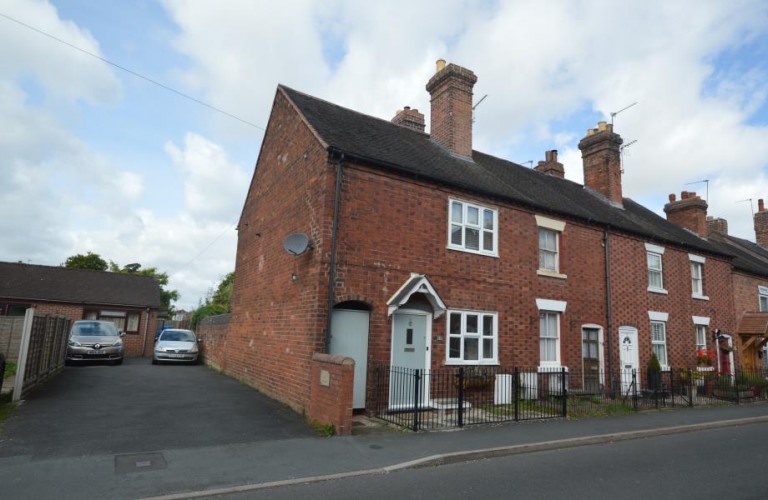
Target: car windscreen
177 336
94 329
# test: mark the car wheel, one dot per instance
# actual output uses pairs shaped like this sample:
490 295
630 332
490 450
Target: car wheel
119 361
154 361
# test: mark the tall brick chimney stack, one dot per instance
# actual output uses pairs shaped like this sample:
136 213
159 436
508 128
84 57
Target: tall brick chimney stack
451 115
689 212
550 165
761 224
601 156
409 118
717 224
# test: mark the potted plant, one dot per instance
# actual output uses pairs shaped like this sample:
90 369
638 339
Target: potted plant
705 357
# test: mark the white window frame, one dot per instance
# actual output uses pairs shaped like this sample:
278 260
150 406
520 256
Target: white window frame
553 226
697 282
660 318
651 249
556 308
762 298
479 335
465 206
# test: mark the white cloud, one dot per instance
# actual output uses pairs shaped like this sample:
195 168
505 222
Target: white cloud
214 187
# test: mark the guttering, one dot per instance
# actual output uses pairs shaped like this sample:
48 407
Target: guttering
608 305
146 327
334 242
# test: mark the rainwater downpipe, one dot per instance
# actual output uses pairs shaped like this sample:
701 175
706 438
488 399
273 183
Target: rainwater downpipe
334 240
608 307
146 327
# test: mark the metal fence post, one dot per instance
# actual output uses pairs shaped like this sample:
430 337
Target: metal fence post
461 397
517 393
564 390
690 387
672 385
736 386
634 388
416 384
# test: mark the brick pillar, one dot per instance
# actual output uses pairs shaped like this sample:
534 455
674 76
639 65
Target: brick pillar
451 113
601 155
690 212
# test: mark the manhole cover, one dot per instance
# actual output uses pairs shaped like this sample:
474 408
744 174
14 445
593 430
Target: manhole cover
139 462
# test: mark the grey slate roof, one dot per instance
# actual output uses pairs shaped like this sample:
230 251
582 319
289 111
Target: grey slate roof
412 153
748 256
78 286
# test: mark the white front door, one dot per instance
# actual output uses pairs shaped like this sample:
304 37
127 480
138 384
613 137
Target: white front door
410 352
629 357
349 338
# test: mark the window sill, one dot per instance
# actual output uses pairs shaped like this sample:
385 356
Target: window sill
658 290
551 274
700 297
475 252
455 362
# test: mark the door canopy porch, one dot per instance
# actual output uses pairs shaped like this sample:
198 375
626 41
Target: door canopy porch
417 283
753 329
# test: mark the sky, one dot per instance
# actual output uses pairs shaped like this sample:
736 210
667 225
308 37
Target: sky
115 160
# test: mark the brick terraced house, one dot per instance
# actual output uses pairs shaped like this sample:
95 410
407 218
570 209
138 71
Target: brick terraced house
425 253
129 301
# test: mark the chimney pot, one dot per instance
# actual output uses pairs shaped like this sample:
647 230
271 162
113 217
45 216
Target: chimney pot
760 205
440 64
601 126
550 165
672 197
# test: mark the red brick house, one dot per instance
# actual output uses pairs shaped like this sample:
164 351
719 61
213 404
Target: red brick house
130 301
750 287
426 253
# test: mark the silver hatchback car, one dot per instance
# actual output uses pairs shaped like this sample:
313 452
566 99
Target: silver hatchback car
176 345
95 340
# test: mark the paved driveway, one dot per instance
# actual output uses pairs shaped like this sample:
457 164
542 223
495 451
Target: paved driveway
138 407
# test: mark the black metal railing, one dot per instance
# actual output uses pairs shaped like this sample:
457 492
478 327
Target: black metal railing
459 396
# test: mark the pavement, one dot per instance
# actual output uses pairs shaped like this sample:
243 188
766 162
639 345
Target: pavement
198 472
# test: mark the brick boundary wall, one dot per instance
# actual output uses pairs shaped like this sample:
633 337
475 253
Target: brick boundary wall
214 331
331 385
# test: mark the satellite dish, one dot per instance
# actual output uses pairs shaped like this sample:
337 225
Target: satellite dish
296 243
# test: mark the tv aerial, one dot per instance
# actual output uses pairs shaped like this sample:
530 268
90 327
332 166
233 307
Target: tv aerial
297 243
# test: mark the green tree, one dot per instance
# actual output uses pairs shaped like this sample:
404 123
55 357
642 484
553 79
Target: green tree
217 302
94 261
88 261
166 296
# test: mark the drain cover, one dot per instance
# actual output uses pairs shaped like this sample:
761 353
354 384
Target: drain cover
138 462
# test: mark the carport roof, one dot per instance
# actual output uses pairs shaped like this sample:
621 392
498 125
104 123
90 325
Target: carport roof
28 282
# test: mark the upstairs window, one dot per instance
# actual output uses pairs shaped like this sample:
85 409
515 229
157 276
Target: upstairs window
654 255
697 276
548 253
473 228
763 298
550 232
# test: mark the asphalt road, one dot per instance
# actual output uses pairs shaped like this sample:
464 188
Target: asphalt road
137 407
715 464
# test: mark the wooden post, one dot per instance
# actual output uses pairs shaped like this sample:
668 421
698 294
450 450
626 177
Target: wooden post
21 366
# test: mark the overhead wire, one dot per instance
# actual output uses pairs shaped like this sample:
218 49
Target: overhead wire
134 73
